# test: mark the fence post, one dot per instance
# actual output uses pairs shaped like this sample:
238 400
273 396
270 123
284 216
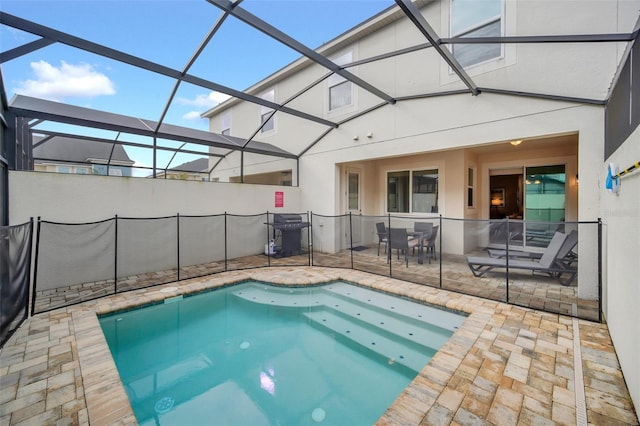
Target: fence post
225 241
599 270
440 247
178 238
268 247
310 239
29 250
115 258
389 243
507 258
351 238
35 269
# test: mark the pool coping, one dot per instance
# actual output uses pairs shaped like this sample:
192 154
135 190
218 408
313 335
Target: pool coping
505 364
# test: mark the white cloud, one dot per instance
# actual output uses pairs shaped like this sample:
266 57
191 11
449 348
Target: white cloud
67 80
192 116
205 101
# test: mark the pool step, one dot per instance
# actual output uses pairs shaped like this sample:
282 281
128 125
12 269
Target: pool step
427 314
282 297
406 353
388 314
391 323
326 295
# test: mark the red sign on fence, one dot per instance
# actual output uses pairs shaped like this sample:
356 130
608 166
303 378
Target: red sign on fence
279 199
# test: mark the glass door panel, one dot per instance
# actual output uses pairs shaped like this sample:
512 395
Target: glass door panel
353 207
545 196
353 191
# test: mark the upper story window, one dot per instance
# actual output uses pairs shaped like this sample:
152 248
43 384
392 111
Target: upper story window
476 18
340 89
265 112
226 123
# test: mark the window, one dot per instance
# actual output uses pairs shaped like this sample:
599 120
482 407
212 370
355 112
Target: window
476 18
417 188
340 89
63 169
226 123
340 95
269 121
354 191
470 187
265 112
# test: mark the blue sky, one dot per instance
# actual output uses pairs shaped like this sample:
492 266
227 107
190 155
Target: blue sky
166 32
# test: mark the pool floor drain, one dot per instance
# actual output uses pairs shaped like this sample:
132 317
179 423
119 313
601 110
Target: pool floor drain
164 405
318 415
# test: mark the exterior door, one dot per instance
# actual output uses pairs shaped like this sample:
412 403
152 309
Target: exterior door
352 203
545 199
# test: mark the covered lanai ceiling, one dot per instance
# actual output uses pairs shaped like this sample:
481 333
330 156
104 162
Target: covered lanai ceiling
221 51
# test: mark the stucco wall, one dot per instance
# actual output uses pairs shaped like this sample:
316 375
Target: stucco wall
76 198
621 295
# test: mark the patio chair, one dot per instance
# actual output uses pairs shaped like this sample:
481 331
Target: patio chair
381 230
424 228
549 262
399 240
566 253
429 244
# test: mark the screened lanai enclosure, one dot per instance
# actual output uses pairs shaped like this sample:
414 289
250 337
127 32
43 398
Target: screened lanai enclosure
137 93
201 72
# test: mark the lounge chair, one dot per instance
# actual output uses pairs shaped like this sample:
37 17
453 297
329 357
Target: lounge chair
566 253
399 240
549 263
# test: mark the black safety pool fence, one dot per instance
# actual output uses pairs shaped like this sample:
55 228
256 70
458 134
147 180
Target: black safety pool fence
538 265
15 272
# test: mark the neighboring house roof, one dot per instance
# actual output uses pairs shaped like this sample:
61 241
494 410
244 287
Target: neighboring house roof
199 165
79 151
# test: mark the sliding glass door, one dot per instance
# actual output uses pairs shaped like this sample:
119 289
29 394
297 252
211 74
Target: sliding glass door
545 200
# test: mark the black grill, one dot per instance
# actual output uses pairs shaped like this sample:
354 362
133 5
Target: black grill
290 228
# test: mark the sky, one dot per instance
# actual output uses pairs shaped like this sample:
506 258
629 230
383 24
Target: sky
166 32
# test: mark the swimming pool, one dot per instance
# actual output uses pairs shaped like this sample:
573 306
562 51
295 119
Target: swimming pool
256 354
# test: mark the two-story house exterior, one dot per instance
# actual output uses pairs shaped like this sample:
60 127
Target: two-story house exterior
437 138
539 110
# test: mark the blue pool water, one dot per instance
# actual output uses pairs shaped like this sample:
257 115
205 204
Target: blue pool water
255 354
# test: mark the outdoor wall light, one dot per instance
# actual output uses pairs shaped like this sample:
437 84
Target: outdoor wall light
370 135
515 143
356 137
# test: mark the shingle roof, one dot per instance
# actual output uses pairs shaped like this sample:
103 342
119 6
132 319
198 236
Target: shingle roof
79 150
199 165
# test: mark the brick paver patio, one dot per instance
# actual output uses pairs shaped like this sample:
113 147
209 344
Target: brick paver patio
505 365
